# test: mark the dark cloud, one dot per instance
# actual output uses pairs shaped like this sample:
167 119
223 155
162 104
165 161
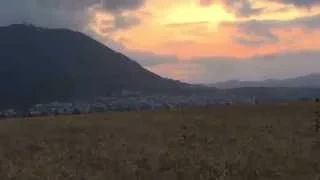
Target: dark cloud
31 11
120 5
125 22
64 13
310 22
260 32
119 22
254 33
254 42
108 5
300 3
242 8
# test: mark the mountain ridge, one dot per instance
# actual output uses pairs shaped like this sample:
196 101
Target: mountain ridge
307 81
41 65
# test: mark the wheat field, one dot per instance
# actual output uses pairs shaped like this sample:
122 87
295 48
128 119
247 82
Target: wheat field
277 141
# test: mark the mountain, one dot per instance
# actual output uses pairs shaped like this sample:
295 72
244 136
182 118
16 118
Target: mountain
39 65
308 81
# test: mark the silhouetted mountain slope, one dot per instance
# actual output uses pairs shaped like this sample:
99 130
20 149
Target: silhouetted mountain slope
308 81
273 94
41 65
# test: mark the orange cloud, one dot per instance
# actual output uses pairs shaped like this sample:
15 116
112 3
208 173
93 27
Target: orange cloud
232 44
186 30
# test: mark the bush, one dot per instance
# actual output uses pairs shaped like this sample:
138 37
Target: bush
76 111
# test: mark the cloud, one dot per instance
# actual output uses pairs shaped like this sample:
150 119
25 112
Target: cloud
121 5
125 22
43 14
260 32
246 8
242 8
189 39
72 14
310 22
118 22
253 42
300 3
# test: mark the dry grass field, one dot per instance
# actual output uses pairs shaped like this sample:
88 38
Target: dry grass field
235 142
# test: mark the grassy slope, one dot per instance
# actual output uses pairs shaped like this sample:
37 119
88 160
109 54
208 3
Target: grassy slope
247 142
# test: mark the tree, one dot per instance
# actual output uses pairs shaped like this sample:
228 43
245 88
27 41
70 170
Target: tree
76 111
56 113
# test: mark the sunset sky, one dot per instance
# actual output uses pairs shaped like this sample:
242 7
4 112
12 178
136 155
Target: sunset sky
200 41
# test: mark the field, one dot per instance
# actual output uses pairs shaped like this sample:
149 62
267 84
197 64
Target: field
276 141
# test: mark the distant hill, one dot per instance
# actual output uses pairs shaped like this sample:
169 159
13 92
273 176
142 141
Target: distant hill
308 81
40 65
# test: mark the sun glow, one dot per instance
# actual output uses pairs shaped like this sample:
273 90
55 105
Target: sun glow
194 13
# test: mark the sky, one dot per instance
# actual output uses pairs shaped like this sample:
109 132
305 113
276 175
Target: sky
197 41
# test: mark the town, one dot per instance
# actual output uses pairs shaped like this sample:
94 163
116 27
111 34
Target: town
126 101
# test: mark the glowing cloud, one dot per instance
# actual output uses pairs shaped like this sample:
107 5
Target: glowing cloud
166 35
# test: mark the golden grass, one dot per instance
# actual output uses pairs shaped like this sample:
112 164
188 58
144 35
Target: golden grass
236 142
